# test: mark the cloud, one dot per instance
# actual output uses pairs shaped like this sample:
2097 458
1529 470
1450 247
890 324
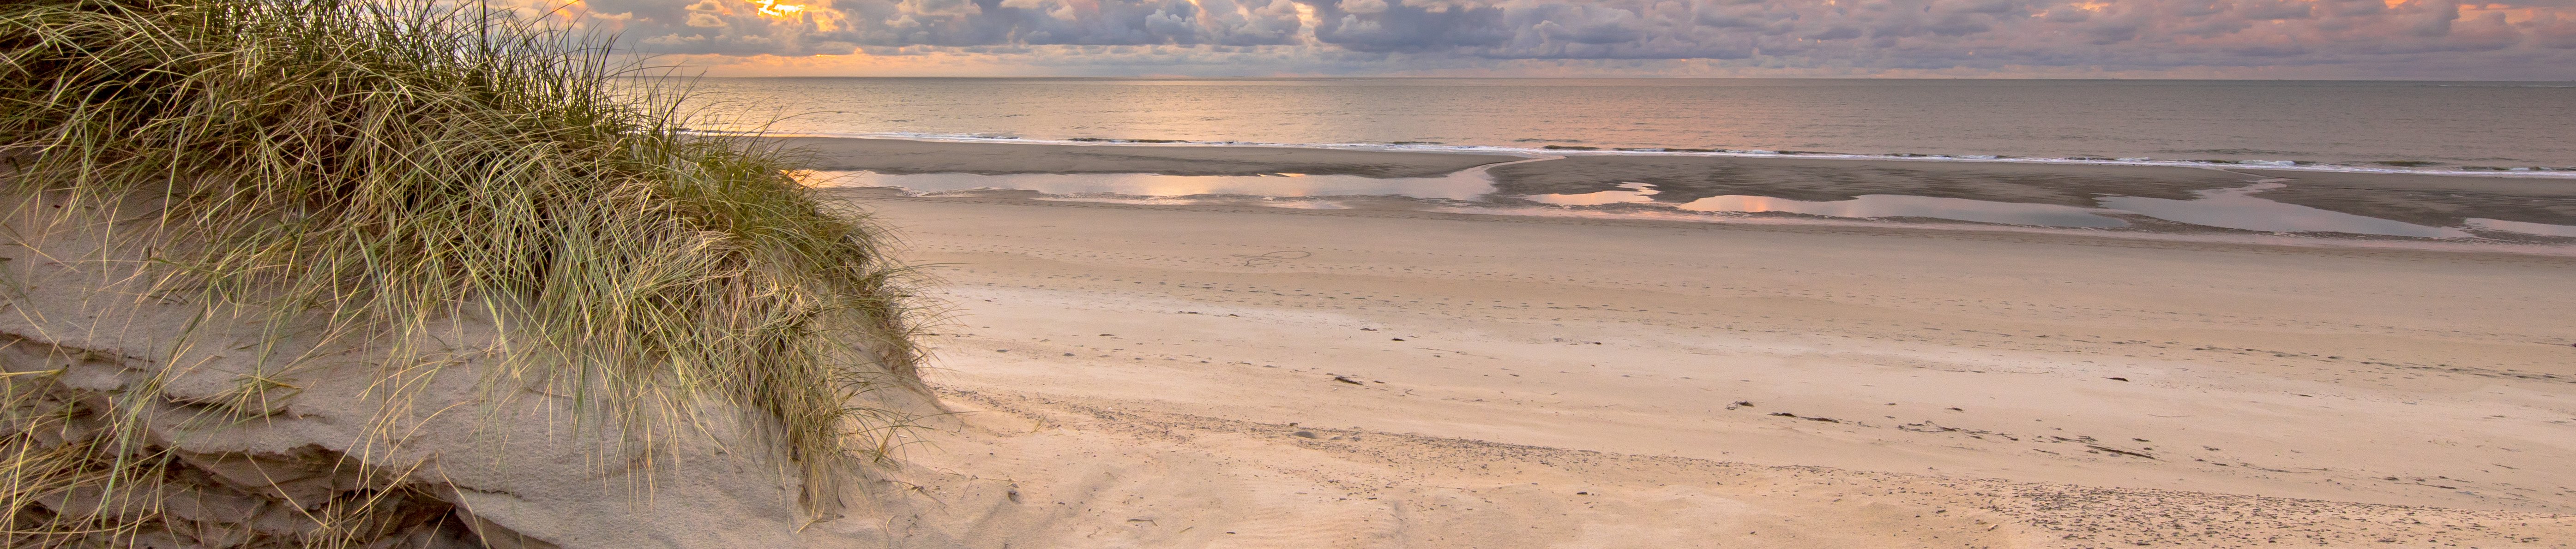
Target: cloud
2528 39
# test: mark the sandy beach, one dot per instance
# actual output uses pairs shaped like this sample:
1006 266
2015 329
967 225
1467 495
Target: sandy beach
1233 376
1559 274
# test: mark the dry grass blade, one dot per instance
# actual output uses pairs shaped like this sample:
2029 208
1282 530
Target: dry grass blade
391 166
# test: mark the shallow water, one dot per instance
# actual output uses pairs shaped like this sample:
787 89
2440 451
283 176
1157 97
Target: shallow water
1892 205
1636 193
1864 206
2235 208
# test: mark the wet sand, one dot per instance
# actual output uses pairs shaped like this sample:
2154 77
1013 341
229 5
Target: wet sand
906 157
2434 200
1687 178
1260 377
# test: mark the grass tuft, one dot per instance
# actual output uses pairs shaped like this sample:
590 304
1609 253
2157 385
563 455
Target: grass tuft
392 166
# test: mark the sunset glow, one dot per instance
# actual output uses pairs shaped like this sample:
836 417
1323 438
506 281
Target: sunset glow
2329 39
774 9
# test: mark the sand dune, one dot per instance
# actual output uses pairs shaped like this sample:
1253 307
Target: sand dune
1138 376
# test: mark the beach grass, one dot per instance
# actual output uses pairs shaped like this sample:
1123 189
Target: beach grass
387 168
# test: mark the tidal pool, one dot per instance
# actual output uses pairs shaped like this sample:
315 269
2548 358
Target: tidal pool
1635 193
1864 206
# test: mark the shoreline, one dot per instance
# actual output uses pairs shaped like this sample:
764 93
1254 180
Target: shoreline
2544 172
1770 223
2470 208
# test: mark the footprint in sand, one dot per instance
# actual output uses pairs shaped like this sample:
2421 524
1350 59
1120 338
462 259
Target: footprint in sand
1273 258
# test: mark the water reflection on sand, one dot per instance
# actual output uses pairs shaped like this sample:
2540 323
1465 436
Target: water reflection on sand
1636 193
1895 205
1464 185
1864 206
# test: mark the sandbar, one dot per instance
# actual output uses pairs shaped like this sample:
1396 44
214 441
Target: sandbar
2434 200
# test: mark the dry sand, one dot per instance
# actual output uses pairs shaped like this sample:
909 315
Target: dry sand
1161 376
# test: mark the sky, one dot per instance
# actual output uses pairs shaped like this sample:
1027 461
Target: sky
2261 39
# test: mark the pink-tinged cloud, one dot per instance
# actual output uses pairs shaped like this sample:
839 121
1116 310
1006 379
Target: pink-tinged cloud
2528 39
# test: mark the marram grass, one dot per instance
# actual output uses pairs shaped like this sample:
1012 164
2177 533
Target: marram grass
390 166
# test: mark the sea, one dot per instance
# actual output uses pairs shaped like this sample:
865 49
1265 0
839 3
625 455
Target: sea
2366 126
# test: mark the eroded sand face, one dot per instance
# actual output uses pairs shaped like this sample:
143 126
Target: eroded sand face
1139 374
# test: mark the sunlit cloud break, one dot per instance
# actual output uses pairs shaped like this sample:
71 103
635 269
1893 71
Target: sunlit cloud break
2522 40
774 9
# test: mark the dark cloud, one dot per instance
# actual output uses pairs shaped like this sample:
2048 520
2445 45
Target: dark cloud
2499 38
1375 25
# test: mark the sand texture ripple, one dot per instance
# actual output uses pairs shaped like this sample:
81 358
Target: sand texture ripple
1253 377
